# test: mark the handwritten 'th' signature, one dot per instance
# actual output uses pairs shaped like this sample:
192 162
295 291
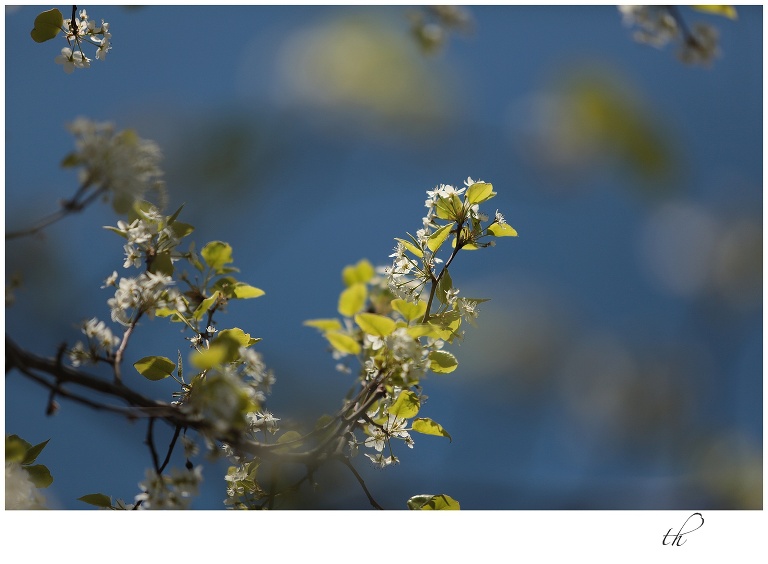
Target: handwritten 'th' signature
677 538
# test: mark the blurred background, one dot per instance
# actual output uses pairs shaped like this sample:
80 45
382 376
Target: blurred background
618 364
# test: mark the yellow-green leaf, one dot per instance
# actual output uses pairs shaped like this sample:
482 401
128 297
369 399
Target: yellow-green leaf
442 362
479 192
725 11
410 310
502 230
375 324
244 291
411 247
216 254
214 355
236 334
205 305
343 343
433 502
406 405
449 208
155 367
324 324
359 273
352 299
428 427
438 237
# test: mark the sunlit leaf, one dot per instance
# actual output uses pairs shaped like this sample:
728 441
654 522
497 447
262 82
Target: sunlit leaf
352 299
438 237
155 367
324 324
410 310
359 273
240 337
718 10
429 427
502 230
245 291
433 502
479 192
406 405
442 362
411 247
343 343
216 254
375 324
205 305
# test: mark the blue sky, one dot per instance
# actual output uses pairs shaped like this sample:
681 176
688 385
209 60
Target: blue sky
621 351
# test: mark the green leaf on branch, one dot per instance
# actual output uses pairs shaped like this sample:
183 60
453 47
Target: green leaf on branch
97 499
410 310
240 337
16 449
450 208
359 273
442 362
155 367
324 324
47 25
429 427
33 452
433 502
718 10
243 291
443 286
352 299
479 192
406 405
162 264
375 324
501 230
205 305
437 238
343 343
411 247
39 475
216 254
225 348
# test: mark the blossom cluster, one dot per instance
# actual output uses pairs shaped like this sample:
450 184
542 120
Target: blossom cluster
118 162
101 343
174 491
658 26
77 31
20 491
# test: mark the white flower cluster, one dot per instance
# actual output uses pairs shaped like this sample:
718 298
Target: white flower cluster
144 294
120 162
20 492
174 491
657 26
101 343
80 30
